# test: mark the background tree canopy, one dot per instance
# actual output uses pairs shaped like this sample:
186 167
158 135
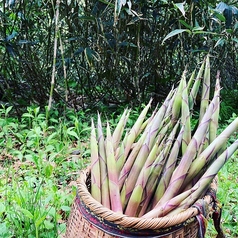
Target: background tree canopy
107 54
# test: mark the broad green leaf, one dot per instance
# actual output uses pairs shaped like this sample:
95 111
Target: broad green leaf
51 137
8 110
18 154
48 170
52 210
29 157
48 225
174 33
36 110
4 230
72 133
27 115
65 208
219 16
50 148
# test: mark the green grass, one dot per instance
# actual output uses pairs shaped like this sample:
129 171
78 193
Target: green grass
227 194
40 161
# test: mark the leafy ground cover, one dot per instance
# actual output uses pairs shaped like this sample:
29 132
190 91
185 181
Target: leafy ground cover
40 160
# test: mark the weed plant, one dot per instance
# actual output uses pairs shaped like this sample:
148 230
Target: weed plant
40 161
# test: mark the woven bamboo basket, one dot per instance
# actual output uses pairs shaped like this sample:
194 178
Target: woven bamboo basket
88 218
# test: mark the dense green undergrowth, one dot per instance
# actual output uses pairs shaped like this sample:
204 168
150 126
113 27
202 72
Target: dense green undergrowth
40 160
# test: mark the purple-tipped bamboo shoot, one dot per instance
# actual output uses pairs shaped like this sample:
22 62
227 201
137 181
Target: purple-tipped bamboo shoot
130 160
177 103
120 156
185 116
114 191
136 196
105 200
191 80
195 88
181 170
117 134
154 174
208 154
215 116
95 166
205 181
136 128
168 169
168 206
135 169
205 90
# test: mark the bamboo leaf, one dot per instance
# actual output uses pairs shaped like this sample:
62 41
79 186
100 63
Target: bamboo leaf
180 6
174 33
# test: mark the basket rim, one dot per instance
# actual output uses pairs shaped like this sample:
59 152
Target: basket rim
123 220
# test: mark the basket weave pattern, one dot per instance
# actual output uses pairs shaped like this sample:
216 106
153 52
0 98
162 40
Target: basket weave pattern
183 225
79 227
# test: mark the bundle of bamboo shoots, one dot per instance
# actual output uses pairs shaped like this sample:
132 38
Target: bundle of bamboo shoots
162 165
